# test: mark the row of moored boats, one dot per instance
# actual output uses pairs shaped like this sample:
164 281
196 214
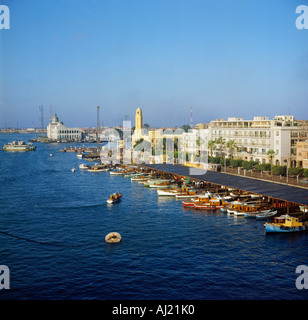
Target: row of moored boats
247 205
233 204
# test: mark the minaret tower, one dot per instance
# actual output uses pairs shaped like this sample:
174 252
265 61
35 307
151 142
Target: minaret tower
191 119
138 120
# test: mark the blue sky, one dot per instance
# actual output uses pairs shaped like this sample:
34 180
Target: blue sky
222 58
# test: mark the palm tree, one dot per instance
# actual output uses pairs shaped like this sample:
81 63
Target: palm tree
211 145
199 142
138 142
231 145
220 142
270 154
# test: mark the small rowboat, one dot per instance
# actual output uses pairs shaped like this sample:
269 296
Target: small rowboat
115 173
96 169
266 215
188 204
115 197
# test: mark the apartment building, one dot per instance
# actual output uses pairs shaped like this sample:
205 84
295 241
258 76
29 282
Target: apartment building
254 138
302 154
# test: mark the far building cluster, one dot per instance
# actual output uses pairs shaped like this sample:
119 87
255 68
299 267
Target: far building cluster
284 136
239 138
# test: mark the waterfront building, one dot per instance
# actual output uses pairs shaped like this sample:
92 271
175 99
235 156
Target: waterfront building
302 154
56 130
201 126
254 138
192 142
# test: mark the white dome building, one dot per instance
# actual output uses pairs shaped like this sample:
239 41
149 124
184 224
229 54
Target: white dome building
56 130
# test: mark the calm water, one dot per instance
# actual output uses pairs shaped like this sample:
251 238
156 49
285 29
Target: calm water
166 253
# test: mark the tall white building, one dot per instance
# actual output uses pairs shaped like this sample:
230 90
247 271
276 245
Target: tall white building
254 138
56 130
194 140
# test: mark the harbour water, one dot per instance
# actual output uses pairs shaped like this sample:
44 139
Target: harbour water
167 252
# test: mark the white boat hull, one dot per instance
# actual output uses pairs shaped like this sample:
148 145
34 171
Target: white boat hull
166 193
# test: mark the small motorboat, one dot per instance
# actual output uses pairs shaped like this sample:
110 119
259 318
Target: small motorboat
73 169
83 166
115 197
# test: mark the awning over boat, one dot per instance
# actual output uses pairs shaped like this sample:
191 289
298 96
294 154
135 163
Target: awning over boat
265 188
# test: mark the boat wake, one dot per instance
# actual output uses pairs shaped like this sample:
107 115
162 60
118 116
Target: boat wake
73 205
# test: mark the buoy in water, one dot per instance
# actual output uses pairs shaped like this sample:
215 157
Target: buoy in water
73 169
51 154
113 237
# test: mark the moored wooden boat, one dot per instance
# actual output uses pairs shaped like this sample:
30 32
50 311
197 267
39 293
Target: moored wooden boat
155 181
199 199
286 224
253 214
141 177
164 184
168 192
83 166
98 167
246 208
266 215
117 172
234 206
191 194
213 204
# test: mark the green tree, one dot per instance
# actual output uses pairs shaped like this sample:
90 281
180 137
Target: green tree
138 142
231 145
146 143
220 142
248 165
263 167
185 127
295 171
279 170
270 154
236 163
211 146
